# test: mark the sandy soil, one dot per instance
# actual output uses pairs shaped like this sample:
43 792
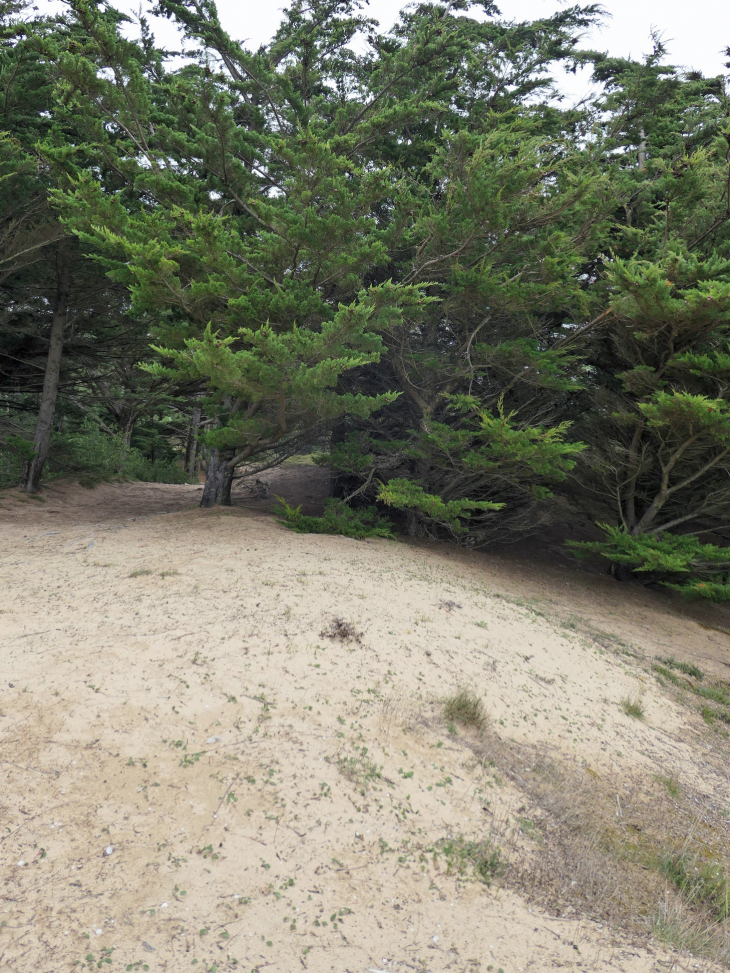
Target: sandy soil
196 775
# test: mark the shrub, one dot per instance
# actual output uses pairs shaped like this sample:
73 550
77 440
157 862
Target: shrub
465 708
633 708
92 456
337 519
680 562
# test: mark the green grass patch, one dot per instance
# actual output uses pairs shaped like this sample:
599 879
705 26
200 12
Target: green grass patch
671 785
686 667
668 674
701 882
718 694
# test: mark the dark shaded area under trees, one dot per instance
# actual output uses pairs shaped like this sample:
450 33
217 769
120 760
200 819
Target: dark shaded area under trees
401 244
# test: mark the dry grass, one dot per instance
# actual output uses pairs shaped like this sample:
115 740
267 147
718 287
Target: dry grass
679 926
645 857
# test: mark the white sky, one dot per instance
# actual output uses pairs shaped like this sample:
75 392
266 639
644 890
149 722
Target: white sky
695 31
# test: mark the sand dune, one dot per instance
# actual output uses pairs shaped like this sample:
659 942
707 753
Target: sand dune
199 772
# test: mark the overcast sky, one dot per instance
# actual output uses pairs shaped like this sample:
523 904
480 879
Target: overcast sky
695 31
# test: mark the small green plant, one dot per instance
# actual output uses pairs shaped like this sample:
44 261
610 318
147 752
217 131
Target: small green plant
718 694
465 707
671 784
359 769
139 573
104 959
338 518
633 707
482 856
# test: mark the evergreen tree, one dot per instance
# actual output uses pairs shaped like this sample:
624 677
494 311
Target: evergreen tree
60 316
657 417
501 213
258 239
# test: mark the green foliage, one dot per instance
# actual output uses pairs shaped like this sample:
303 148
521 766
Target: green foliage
656 418
338 518
399 239
92 456
633 707
257 271
681 562
688 668
476 462
405 495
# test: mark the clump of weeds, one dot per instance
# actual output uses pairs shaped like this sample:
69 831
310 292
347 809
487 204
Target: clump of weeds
633 707
466 708
462 854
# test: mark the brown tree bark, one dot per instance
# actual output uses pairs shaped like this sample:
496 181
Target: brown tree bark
218 480
32 471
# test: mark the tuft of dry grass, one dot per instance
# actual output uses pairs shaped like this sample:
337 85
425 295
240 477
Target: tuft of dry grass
465 707
677 925
633 707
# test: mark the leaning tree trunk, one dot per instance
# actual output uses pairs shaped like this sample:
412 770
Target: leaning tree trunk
30 476
218 480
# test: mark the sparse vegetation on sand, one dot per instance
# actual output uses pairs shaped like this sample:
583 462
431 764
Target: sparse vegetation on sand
277 751
465 708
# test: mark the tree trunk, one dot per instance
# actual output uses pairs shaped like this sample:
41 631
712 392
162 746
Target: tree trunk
218 480
621 572
30 476
129 423
414 527
127 427
191 453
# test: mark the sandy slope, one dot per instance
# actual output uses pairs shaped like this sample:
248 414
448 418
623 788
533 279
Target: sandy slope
273 797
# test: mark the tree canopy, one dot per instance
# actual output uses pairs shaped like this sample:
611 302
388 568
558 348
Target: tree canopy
404 244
